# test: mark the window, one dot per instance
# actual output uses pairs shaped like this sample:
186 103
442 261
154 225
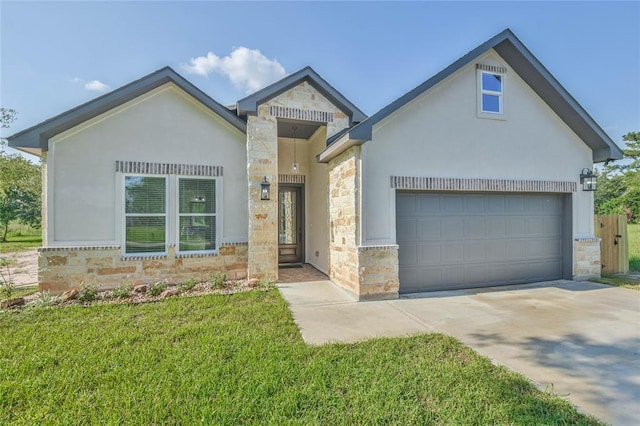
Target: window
197 214
491 92
165 210
145 214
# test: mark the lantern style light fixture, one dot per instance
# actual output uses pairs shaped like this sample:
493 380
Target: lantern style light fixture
588 180
264 189
294 165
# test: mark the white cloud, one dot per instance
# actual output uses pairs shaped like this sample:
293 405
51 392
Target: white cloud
97 86
248 69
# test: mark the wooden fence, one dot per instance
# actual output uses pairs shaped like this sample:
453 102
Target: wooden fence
614 247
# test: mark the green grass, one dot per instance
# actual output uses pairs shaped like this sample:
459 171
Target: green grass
633 232
25 291
240 359
21 238
619 281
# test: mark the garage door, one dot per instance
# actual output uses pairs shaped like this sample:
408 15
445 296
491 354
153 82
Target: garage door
453 241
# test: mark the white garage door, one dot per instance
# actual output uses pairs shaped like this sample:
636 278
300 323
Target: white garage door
453 241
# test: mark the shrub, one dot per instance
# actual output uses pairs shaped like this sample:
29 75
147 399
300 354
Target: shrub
87 292
266 282
44 299
218 280
123 291
188 285
157 288
7 286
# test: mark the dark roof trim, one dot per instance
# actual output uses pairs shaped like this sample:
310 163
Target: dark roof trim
511 49
249 105
36 138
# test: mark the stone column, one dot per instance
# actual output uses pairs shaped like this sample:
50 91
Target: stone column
344 217
262 160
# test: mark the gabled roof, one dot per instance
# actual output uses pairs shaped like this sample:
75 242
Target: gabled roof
36 139
249 105
511 49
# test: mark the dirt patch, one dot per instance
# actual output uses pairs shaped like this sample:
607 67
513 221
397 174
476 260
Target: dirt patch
23 267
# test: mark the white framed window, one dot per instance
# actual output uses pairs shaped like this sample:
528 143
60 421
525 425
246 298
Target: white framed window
145 211
197 214
163 210
491 93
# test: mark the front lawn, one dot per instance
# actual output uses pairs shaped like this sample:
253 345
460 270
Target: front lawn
21 238
240 359
619 281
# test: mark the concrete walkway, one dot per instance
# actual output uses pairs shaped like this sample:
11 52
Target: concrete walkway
580 340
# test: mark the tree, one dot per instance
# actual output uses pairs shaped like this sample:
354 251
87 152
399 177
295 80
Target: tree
20 185
618 190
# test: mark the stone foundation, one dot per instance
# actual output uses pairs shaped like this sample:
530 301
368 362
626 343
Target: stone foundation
586 263
65 268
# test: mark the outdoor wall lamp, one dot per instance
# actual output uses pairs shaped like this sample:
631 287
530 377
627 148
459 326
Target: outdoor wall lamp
264 189
588 180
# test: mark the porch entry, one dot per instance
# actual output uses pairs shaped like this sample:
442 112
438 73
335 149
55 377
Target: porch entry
290 224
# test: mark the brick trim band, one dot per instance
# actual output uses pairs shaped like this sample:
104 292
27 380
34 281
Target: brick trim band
486 185
491 68
301 114
291 178
379 247
76 248
167 168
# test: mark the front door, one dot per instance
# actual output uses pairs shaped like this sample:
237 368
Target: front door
290 224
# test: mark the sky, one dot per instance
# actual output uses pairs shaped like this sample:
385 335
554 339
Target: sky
57 55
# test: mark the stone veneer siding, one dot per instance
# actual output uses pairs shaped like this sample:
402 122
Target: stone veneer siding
587 258
378 272
64 268
262 157
344 219
371 272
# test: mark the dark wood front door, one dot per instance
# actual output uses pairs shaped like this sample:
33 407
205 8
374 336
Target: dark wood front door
290 224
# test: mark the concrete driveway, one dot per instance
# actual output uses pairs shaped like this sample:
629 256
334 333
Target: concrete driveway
580 340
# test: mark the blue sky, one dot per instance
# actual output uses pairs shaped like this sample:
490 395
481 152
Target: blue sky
56 55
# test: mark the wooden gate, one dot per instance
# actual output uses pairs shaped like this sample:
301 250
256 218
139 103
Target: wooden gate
614 247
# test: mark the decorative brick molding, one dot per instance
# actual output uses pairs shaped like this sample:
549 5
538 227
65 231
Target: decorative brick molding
380 247
291 178
485 185
167 168
491 68
301 114
76 248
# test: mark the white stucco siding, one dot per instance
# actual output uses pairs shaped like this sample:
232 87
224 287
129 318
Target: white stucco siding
165 125
317 252
439 134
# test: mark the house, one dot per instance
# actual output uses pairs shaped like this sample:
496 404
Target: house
471 179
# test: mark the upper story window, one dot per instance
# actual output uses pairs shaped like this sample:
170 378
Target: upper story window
492 92
491 80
